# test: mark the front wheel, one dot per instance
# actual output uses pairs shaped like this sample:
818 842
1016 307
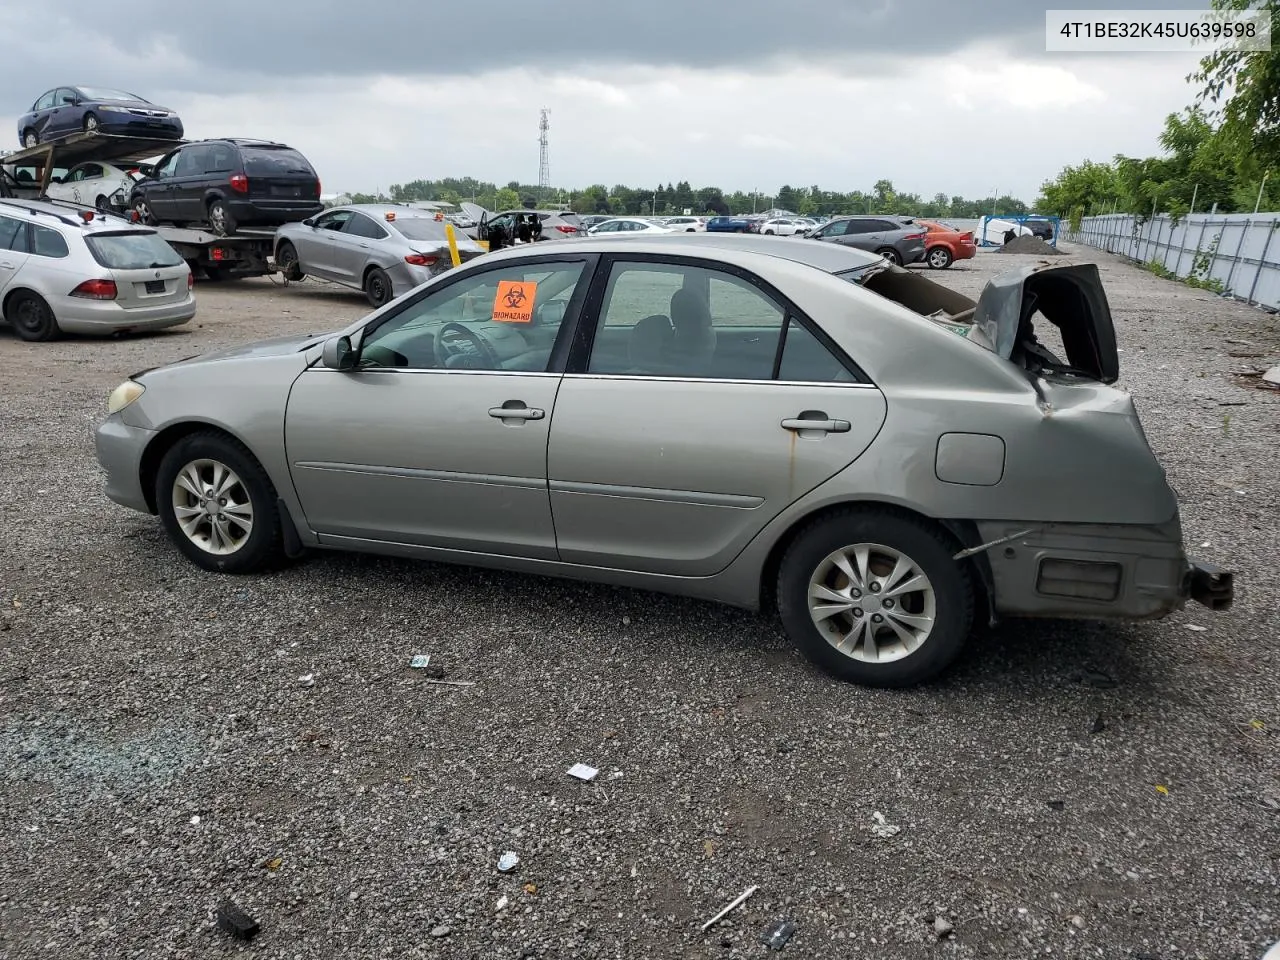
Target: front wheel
939 258
892 255
287 261
143 210
377 287
218 505
90 123
875 598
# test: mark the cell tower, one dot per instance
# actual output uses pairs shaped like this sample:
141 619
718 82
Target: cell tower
544 156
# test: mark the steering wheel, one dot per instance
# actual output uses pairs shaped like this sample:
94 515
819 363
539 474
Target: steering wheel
455 340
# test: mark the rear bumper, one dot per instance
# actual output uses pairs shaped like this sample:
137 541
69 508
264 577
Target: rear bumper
965 251
269 211
1098 571
108 316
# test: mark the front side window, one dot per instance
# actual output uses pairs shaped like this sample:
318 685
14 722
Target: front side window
335 220
501 319
660 319
837 229
166 167
45 102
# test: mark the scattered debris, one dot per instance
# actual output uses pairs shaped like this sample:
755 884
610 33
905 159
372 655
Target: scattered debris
1273 952
882 829
235 922
422 661
531 889
274 864
502 902
441 931
1257 724
583 772
943 928
195 821
738 901
508 862
1077 921
1272 376
307 680
1099 724
1195 627
1057 804
1030 244
1098 680
776 937
709 847
1162 789
450 683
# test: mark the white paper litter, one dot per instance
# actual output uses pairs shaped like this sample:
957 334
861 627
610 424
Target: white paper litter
882 829
583 772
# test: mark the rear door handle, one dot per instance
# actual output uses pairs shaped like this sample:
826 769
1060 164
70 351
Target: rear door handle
520 412
6 264
817 422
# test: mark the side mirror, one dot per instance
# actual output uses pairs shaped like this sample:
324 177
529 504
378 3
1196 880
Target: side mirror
338 355
309 222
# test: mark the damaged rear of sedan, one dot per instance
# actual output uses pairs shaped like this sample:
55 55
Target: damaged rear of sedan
884 460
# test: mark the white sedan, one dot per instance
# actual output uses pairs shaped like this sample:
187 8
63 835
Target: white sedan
627 226
782 227
94 185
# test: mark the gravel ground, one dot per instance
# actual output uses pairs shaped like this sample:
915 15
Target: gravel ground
1069 789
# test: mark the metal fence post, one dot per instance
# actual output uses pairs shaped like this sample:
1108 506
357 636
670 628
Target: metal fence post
1262 260
1236 259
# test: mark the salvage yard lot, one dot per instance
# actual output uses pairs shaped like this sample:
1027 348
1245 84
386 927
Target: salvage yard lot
159 752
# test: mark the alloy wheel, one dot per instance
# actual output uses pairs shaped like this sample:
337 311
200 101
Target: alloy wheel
212 506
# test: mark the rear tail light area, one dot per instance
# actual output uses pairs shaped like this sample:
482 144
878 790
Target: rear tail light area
191 280
240 183
915 236
421 260
565 228
96 290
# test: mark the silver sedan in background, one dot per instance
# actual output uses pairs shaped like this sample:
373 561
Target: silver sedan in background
383 249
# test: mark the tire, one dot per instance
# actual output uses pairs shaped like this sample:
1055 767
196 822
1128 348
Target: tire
101 205
892 255
287 261
938 258
90 123
377 287
30 138
768 233
31 318
220 219
888 538
197 462
143 210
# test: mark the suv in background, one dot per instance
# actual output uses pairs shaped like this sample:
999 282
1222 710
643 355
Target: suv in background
229 184
899 240
68 270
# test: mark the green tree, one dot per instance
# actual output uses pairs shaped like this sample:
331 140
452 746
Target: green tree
1242 88
506 199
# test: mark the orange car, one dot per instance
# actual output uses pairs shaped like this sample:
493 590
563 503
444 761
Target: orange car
944 245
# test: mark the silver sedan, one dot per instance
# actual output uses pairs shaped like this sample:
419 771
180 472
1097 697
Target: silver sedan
383 249
886 461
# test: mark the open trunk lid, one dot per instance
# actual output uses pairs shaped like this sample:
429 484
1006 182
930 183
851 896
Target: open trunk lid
1069 296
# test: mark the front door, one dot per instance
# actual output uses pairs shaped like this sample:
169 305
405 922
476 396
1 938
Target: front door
692 422
314 243
158 194
439 437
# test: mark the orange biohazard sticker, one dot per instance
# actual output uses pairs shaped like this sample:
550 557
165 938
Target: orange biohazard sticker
514 301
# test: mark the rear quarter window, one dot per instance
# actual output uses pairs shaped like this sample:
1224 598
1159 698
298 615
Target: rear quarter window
132 251
48 243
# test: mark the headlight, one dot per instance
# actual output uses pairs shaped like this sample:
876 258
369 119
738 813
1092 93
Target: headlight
111 109
124 395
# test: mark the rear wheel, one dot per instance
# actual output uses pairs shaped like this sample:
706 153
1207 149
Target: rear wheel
939 258
220 219
377 287
31 317
892 255
875 598
90 123
287 261
218 505
30 138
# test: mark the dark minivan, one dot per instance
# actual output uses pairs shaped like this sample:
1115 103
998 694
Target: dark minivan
229 184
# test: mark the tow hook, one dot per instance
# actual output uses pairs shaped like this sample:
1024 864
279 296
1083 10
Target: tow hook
1212 586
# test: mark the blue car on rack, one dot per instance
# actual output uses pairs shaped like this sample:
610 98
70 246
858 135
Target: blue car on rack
66 110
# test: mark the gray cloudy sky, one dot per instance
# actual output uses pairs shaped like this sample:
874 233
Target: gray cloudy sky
958 97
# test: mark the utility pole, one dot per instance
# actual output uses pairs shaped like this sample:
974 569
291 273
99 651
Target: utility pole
1260 189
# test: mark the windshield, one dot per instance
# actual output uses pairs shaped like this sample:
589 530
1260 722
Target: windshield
274 162
101 93
419 228
135 250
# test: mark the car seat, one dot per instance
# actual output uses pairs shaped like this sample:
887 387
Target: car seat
694 344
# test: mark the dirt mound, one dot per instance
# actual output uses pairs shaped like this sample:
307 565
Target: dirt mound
1030 244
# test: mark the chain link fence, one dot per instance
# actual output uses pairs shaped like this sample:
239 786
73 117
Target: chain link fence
1235 254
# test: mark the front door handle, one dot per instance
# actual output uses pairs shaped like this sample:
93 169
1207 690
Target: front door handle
6 264
515 410
817 421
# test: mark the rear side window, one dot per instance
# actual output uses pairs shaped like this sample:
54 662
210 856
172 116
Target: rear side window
13 230
132 251
361 226
48 243
274 162
420 228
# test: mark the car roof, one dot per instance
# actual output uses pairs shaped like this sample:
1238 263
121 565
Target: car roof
69 215
381 209
830 257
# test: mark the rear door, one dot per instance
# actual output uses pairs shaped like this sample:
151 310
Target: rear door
158 192
863 234
279 177
13 250
698 406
